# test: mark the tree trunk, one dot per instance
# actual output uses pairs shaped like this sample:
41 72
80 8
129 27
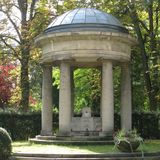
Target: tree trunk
146 71
24 80
154 53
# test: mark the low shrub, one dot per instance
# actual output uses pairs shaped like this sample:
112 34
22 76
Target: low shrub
22 126
127 141
5 144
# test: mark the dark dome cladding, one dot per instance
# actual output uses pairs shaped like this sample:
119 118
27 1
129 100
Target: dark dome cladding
86 19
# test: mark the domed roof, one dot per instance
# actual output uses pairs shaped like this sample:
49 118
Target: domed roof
86 19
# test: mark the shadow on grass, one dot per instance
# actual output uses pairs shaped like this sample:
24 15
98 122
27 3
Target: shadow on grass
21 144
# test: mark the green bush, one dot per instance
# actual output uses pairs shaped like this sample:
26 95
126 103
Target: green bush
22 126
5 144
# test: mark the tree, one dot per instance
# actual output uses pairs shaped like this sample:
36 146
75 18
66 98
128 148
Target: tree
147 30
87 89
27 19
5 84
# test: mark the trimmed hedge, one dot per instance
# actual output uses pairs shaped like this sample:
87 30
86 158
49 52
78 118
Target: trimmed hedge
147 124
5 144
24 126
21 126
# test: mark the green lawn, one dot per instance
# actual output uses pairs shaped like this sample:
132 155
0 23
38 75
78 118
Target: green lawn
149 146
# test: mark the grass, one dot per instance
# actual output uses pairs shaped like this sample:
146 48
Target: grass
149 146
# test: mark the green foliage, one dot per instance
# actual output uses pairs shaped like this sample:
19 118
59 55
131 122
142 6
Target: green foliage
145 17
87 89
147 124
139 94
22 126
32 18
117 87
123 135
127 141
56 77
5 144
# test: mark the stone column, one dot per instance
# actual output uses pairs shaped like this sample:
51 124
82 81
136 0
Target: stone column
47 101
126 107
65 100
72 91
101 93
107 99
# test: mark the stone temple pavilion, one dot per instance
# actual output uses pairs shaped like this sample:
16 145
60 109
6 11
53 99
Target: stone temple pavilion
79 38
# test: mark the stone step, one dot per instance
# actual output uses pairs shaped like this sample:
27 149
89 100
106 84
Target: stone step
85 133
75 142
102 158
117 156
41 158
75 137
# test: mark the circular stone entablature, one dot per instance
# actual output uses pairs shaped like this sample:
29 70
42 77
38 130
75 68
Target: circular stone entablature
85 36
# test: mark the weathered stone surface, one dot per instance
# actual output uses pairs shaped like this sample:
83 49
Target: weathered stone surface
91 45
85 48
47 101
107 98
65 100
126 106
86 124
86 112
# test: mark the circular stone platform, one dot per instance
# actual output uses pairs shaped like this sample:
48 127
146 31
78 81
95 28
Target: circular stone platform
76 140
113 156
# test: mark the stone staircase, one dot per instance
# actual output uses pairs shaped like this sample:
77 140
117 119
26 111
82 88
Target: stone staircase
78 139
119 156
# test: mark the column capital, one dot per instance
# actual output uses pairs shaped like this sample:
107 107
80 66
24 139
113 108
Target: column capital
46 65
101 59
106 60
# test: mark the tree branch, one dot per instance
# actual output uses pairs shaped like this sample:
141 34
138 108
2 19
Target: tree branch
7 36
144 26
15 26
12 22
157 17
150 15
23 6
9 46
16 6
32 9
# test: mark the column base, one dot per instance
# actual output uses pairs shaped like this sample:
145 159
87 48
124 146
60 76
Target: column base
108 135
46 133
64 134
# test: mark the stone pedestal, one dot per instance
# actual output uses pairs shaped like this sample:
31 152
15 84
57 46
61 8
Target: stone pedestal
47 102
65 100
126 108
107 99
